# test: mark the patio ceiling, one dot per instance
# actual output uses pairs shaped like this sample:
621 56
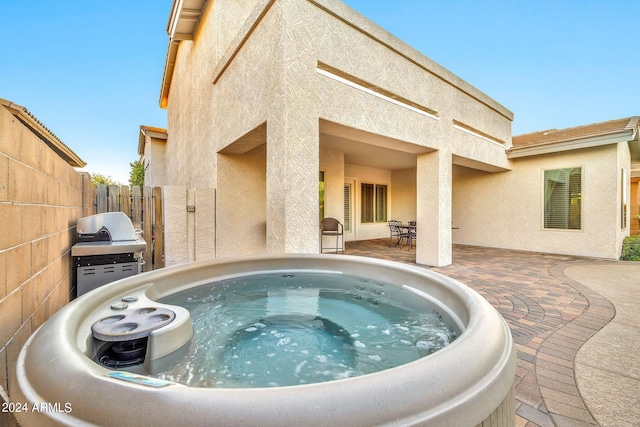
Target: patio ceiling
363 154
359 147
368 149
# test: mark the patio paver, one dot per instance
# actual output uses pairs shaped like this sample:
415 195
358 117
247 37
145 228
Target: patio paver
550 316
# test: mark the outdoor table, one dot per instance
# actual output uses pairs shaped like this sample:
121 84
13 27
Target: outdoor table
406 230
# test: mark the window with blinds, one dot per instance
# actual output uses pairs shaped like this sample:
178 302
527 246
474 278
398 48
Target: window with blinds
347 207
381 203
373 204
563 199
366 203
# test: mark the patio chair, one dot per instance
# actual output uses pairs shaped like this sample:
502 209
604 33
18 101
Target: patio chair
332 227
411 234
396 232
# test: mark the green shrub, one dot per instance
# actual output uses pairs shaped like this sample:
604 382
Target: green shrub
631 248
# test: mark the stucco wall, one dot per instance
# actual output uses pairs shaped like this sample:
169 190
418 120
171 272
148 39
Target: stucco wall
332 163
225 85
403 195
194 118
377 57
155 162
299 67
313 34
373 57
242 205
41 198
505 209
205 118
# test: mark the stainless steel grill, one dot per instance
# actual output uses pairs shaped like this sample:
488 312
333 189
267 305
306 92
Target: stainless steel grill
108 249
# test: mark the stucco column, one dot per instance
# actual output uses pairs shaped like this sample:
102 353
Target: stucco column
433 208
292 184
293 141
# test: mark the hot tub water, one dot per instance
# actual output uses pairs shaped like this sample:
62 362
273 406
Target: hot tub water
276 329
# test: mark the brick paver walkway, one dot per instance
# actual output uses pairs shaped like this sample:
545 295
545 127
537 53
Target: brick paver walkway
550 317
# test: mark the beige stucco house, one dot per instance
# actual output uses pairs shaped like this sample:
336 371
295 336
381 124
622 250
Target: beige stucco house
151 149
567 192
267 98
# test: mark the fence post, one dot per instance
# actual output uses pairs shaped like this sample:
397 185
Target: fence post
125 200
158 229
89 195
101 202
113 204
137 208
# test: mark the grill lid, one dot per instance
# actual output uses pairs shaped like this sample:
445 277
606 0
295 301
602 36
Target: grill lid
109 226
102 235
107 233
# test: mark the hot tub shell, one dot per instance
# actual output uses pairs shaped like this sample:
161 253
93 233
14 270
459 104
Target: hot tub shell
465 384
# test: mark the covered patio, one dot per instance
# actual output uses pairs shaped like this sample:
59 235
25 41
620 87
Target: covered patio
550 316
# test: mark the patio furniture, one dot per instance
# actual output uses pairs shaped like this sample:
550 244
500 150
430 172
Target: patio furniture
332 227
411 234
395 231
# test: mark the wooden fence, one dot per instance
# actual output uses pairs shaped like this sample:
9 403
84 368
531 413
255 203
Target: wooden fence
144 207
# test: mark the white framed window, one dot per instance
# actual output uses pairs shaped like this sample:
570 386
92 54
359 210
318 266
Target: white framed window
373 206
563 199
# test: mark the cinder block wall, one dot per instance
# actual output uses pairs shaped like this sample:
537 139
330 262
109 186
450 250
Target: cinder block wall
41 198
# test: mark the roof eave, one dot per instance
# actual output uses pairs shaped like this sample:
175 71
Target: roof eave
634 143
167 75
151 132
627 135
183 22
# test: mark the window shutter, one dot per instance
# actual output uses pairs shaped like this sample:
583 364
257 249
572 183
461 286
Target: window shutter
347 207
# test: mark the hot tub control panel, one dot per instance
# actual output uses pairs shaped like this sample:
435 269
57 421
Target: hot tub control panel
137 334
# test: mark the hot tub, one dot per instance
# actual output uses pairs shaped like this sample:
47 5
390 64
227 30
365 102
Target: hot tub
59 381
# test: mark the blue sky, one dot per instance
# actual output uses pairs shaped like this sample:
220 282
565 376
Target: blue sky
91 70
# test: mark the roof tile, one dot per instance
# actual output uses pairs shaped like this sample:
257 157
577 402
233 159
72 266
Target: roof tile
552 136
